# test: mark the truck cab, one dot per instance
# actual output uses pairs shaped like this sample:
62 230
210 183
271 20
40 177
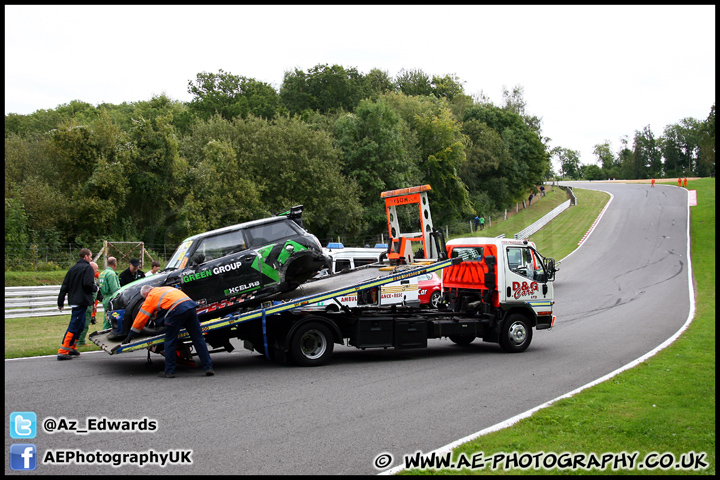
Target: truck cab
500 279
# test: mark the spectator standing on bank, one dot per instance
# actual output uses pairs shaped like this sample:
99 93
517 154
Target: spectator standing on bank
91 312
131 273
109 284
78 286
477 222
542 190
155 267
482 223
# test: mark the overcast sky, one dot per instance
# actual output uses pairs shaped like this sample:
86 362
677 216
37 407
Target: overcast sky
592 73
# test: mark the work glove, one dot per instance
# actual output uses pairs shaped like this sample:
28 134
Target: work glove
92 320
127 340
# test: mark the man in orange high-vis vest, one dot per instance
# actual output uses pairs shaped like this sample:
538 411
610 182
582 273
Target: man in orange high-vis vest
178 311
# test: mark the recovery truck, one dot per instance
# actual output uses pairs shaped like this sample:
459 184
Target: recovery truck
495 289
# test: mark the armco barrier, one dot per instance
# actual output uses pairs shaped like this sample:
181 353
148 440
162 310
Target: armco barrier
525 233
21 302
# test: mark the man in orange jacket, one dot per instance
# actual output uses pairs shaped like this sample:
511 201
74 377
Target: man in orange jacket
178 311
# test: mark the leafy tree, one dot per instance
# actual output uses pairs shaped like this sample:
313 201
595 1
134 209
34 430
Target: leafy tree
604 155
373 140
646 159
680 147
82 112
610 164
569 162
377 82
323 88
413 82
515 102
522 142
153 174
17 124
489 171
94 160
439 152
231 96
449 86
624 157
16 221
217 188
459 104
592 172
706 142
295 165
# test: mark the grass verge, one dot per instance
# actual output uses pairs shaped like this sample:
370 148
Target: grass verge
664 405
34 279
35 336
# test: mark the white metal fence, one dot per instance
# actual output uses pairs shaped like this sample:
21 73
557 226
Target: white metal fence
21 302
525 233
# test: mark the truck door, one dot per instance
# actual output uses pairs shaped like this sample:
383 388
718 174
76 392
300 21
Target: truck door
525 275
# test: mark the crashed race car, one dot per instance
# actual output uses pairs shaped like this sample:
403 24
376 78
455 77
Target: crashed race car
230 268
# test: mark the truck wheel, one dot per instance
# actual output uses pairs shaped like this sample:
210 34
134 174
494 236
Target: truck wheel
516 334
311 345
462 339
434 299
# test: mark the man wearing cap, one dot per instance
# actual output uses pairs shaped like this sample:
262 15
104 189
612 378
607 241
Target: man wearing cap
176 310
131 273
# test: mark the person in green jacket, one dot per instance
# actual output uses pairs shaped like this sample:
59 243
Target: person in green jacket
89 318
109 284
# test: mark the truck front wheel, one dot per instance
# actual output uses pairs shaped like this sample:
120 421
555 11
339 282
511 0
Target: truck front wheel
311 345
516 334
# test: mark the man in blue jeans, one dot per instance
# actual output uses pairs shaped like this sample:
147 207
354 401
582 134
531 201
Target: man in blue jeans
175 310
79 286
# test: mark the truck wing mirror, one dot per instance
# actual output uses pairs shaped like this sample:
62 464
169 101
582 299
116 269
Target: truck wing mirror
551 268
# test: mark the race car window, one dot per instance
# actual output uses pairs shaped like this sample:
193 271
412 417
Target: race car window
268 233
220 245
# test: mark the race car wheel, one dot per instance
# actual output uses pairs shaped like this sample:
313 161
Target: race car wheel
434 299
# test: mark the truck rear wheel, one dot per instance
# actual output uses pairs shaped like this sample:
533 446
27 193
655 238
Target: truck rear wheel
516 333
311 345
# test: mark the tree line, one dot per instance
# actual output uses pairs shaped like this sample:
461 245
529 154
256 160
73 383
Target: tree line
686 149
330 138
